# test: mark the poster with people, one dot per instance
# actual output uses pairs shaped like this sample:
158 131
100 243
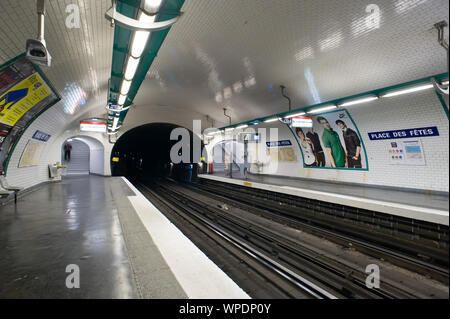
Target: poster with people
333 141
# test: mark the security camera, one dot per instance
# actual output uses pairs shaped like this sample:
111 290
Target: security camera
36 48
37 52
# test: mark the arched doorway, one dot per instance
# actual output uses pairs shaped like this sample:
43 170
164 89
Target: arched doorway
86 157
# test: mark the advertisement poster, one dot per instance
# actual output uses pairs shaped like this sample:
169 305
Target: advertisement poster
333 141
24 94
281 151
31 154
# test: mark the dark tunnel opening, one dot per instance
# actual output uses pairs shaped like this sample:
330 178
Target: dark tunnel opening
143 154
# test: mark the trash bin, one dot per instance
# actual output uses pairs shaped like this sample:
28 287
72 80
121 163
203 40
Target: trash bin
54 171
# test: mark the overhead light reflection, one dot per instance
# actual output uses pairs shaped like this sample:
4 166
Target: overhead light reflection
74 98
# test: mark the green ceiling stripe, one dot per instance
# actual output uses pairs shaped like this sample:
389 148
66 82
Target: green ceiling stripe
153 45
122 38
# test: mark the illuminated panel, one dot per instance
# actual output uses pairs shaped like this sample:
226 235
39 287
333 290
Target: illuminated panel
92 127
302 121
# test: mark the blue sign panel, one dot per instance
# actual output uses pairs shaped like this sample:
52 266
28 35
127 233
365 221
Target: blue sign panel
41 136
406 133
279 143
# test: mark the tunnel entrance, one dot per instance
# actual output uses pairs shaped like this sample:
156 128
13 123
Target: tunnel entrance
143 153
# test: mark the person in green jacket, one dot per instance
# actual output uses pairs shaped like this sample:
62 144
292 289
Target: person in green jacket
332 143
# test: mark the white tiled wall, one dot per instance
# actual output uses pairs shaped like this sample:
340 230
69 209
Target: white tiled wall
49 122
420 109
53 122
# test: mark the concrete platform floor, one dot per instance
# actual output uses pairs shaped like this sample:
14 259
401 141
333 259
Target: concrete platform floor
80 221
401 196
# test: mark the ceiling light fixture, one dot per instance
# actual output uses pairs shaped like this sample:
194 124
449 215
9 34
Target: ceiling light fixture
152 5
322 109
131 68
410 90
122 99
359 101
125 87
294 115
271 120
140 38
242 126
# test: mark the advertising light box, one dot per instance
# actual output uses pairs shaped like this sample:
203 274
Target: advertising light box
93 127
25 92
302 121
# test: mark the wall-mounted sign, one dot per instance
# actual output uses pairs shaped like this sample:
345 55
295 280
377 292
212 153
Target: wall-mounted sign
113 107
406 133
279 143
302 121
92 127
406 153
249 137
286 120
41 136
24 94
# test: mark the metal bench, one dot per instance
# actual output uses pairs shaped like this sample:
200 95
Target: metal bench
8 188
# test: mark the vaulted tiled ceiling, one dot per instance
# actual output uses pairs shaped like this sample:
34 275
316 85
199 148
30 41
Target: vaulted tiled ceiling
81 57
236 54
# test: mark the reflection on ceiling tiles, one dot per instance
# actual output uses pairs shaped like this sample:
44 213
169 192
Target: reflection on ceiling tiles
312 86
303 54
73 98
235 54
332 42
401 6
367 23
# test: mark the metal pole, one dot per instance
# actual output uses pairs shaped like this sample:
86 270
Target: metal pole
41 16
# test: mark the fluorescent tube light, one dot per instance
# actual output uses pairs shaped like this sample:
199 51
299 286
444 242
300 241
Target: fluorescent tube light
229 129
359 101
294 115
242 126
410 90
271 120
445 83
139 42
131 68
125 87
116 121
153 5
122 99
140 38
322 109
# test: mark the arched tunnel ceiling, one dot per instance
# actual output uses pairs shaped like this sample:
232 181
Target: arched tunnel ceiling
81 56
236 53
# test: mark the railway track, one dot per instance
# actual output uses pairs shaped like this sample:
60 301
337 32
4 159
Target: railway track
424 257
261 259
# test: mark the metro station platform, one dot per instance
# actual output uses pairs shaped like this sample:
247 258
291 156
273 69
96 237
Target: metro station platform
399 202
123 246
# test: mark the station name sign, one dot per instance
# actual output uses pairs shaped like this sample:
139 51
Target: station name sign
41 136
279 143
406 133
